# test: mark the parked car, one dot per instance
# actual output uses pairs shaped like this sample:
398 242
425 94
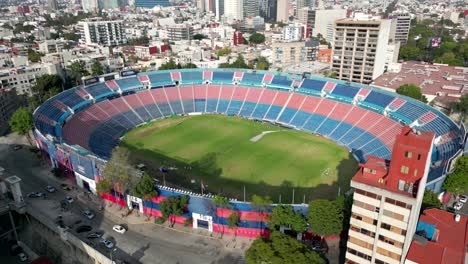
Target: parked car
69 200
106 243
88 214
463 199
36 194
458 206
119 229
457 218
23 257
94 235
50 189
17 147
65 187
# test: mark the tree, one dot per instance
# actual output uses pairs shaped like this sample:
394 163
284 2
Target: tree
430 200
71 36
103 186
233 221
325 217
189 66
257 38
96 68
281 248
34 56
145 189
21 122
284 215
409 53
174 205
412 91
119 171
461 165
199 36
238 63
262 63
461 106
46 86
224 51
76 71
456 183
170 65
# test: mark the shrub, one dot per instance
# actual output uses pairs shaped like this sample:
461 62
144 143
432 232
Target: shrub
188 221
159 220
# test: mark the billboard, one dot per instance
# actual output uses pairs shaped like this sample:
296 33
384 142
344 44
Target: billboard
90 81
435 42
128 73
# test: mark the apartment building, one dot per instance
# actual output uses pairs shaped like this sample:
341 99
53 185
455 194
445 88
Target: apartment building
387 200
103 32
286 53
401 31
179 32
22 79
9 102
360 47
282 11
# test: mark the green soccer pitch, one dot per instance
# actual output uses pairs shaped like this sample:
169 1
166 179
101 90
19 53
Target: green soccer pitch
230 154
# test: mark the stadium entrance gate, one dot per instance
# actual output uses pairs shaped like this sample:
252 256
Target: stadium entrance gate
135 203
202 221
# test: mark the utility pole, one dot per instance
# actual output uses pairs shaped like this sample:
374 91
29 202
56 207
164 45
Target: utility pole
293 196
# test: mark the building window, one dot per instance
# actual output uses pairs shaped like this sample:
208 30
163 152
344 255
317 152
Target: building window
408 154
419 156
415 174
386 226
404 169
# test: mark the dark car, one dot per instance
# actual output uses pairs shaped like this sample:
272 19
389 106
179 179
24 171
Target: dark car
95 235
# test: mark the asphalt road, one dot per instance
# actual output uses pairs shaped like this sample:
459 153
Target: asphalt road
144 243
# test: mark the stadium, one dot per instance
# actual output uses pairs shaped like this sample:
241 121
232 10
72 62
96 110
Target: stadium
167 112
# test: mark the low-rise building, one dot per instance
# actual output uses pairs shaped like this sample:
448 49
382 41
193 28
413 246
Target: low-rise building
9 102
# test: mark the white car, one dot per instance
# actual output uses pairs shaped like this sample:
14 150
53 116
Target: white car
458 206
88 214
463 199
23 257
119 229
69 200
107 243
50 189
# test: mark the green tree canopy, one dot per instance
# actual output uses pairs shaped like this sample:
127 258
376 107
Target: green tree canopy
71 36
224 51
461 165
21 122
238 63
145 188
46 86
76 71
281 248
325 217
430 200
412 91
199 36
456 183
34 56
461 106
284 215
409 53
257 38
262 63
119 170
174 205
96 68
233 220
103 186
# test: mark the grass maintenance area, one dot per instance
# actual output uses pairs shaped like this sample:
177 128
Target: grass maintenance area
230 154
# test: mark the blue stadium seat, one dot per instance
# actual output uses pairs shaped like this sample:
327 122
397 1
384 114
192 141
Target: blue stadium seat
281 81
191 77
327 126
273 112
260 111
300 118
99 90
165 108
411 111
315 85
162 78
177 107
252 78
247 109
211 105
313 122
234 107
287 115
129 83
340 130
345 91
379 99
189 106
200 105
143 113
222 77
69 98
222 106
351 135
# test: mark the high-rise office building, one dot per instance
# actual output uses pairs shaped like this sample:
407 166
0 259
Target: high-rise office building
268 9
151 3
108 4
219 8
359 48
251 8
201 5
233 9
282 11
307 17
52 4
90 5
387 200
103 32
324 20
403 23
